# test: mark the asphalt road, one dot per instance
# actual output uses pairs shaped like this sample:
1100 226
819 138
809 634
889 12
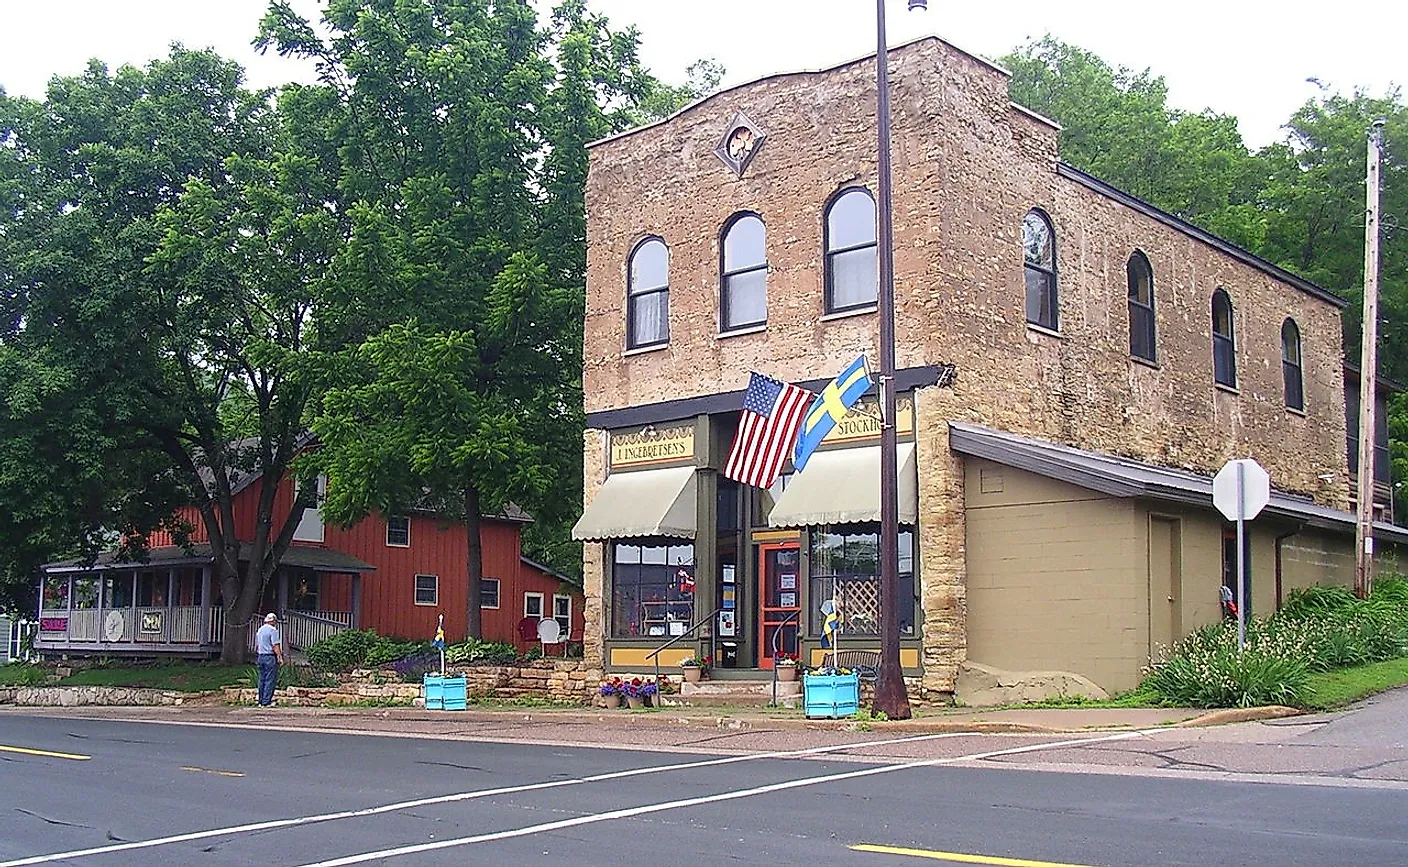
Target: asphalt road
275 797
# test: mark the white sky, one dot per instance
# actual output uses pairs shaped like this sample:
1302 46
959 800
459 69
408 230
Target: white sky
1249 58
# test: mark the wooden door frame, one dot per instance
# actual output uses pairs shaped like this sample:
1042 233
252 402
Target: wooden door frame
760 607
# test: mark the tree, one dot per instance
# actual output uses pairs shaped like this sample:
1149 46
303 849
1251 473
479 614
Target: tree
163 249
461 134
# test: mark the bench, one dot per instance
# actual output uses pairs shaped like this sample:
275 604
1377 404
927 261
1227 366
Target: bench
865 663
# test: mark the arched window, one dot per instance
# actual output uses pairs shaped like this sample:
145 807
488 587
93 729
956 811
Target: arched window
1039 255
1141 307
851 276
1224 341
648 295
1291 366
743 284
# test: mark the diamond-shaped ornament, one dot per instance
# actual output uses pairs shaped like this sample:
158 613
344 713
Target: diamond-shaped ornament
741 142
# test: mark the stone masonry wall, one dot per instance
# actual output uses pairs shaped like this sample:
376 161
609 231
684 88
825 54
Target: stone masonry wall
967 166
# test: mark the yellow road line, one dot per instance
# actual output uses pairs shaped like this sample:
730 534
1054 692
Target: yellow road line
46 753
211 771
960 857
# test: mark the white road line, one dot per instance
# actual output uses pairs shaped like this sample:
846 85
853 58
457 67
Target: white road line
462 796
629 812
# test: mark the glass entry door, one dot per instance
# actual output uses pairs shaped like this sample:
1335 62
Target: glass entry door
779 599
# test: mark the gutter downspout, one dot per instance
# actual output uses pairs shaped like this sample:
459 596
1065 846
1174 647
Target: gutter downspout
1279 539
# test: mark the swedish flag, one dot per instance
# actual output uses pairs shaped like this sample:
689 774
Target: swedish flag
829 408
439 641
830 624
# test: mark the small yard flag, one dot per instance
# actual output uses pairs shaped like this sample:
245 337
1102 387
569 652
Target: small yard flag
439 641
830 407
829 625
772 411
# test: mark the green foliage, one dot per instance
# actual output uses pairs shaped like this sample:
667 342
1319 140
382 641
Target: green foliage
343 651
18 674
1334 689
387 650
173 676
472 650
1319 629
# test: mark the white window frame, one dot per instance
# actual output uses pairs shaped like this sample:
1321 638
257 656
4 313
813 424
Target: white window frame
415 589
533 594
391 544
498 594
567 626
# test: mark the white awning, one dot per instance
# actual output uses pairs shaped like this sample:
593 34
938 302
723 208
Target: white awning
644 503
842 486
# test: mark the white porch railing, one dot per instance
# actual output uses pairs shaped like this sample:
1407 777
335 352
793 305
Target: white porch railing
305 628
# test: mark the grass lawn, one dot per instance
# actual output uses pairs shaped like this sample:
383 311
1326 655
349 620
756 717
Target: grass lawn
178 677
1332 689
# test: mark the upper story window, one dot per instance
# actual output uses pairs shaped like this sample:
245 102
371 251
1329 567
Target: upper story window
1141 307
648 295
743 289
1039 265
1224 342
398 531
1291 365
852 280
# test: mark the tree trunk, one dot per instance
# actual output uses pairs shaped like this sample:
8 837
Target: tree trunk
474 563
240 603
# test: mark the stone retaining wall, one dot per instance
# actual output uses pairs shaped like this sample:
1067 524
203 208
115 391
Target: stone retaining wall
75 696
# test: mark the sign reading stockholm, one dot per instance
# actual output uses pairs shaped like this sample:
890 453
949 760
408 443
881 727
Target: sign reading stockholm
1241 500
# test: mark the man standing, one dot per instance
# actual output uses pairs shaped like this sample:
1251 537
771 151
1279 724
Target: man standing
269 650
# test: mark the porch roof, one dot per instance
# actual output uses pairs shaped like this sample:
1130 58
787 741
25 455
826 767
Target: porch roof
302 556
1122 477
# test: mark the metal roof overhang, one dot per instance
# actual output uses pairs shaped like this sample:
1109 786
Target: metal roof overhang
1121 477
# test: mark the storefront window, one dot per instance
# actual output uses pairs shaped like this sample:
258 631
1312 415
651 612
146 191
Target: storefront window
653 591
846 566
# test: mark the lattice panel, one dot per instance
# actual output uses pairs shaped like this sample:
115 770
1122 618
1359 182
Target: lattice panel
860 604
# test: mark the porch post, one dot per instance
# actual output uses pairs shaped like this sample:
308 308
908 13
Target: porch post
283 591
102 577
169 623
136 627
205 605
356 600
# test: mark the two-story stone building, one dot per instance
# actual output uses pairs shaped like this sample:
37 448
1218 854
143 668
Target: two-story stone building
1074 366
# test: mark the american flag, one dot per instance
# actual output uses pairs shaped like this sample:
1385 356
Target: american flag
772 412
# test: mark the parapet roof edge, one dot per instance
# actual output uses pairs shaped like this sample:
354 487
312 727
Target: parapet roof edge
1094 184
1036 115
789 73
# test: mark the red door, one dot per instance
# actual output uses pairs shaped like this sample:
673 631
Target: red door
780 584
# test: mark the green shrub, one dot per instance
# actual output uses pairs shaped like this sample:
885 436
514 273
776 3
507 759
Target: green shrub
1205 669
21 674
486 652
1391 588
1311 601
343 651
387 650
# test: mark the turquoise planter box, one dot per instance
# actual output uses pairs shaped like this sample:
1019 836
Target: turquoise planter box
831 695
445 693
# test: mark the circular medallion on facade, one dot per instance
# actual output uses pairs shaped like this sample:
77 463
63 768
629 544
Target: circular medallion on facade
740 142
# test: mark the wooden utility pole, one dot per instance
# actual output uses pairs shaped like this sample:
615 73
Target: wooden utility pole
1368 371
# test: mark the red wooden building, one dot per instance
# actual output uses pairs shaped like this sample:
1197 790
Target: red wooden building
395 575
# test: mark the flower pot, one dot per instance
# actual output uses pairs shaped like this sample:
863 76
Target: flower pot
612 700
786 673
635 701
692 673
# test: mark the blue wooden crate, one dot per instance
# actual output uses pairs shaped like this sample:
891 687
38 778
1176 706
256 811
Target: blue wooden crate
455 695
831 695
445 693
434 692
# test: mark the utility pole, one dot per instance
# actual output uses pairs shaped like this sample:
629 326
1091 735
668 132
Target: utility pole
891 697
1368 371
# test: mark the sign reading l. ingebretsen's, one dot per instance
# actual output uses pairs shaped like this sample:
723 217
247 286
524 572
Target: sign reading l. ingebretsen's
652 446
856 426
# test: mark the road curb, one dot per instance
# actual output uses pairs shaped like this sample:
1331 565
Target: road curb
1239 715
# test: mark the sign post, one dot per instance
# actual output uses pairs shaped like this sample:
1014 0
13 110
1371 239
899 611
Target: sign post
1240 490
